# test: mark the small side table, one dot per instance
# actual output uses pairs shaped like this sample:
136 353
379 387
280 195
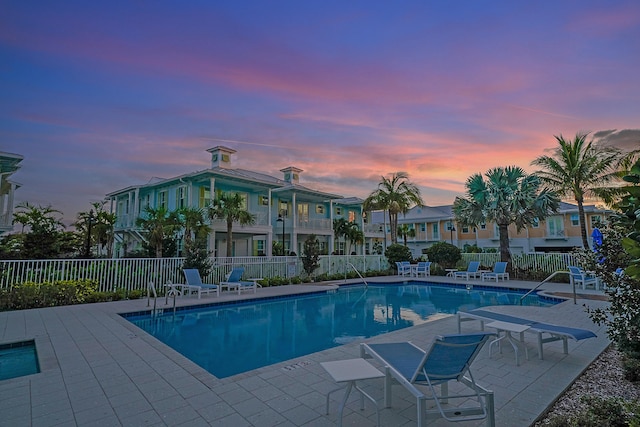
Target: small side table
255 280
350 371
507 328
450 271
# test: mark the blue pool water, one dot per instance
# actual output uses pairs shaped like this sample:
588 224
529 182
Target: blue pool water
18 359
233 338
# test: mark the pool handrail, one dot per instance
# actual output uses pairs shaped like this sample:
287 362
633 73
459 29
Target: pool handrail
545 281
358 273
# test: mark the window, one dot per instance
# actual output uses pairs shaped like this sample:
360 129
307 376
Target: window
264 201
205 197
465 229
181 197
436 231
483 226
145 202
303 212
162 199
575 220
423 227
352 216
320 209
535 223
245 200
595 220
555 226
338 210
283 208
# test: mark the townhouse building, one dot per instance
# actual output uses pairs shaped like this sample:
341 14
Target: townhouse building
557 233
9 164
285 210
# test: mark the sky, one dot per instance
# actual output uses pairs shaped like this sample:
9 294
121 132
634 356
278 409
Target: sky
101 95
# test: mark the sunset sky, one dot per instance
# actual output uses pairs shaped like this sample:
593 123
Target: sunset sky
101 95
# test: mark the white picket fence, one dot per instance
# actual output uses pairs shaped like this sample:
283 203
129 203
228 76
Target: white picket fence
135 273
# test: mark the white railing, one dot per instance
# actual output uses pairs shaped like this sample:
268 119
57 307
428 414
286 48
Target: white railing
135 273
541 262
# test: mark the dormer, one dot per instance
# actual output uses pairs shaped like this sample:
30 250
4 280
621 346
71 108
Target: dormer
221 157
291 174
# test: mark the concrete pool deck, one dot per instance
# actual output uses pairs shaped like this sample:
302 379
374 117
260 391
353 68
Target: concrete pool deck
99 369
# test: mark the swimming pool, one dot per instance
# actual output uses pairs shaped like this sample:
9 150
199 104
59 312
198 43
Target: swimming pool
233 338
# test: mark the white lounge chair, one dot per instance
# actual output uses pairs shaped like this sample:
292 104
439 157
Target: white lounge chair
472 271
233 282
545 332
499 272
192 276
419 371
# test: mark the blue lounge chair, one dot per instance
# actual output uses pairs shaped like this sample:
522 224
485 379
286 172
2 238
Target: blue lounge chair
233 281
192 276
472 271
499 272
578 276
552 332
419 371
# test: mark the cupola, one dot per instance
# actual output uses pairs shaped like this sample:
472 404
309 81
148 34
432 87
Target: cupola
221 157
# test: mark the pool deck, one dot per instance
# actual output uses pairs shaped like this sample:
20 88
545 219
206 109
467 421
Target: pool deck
97 369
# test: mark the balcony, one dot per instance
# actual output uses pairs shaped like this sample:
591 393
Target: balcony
314 224
556 235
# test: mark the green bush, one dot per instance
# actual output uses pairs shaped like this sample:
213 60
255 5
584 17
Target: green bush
444 254
397 253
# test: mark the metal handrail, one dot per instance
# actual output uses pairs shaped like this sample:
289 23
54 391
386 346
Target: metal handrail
358 273
545 281
151 289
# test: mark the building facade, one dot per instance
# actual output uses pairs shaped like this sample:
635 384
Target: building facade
559 232
285 211
9 164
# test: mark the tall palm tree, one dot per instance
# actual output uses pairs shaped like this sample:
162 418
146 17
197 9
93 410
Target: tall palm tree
405 232
579 168
193 221
158 224
340 229
354 234
395 195
230 207
508 196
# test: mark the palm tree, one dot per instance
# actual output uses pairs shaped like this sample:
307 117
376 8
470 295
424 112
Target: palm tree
405 231
193 221
579 168
158 224
395 195
508 196
230 207
340 228
354 234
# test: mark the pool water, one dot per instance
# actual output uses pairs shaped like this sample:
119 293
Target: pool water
233 338
18 359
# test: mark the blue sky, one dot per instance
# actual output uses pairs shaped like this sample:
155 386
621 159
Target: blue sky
98 96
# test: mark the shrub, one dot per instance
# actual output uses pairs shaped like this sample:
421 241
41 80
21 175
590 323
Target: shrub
445 254
397 253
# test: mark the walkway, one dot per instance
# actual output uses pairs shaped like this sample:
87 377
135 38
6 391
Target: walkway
98 369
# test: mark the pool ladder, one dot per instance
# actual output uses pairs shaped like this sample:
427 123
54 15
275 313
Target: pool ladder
358 273
545 281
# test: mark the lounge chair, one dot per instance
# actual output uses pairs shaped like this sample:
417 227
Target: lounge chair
472 271
404 268
233 282
499 272
192 276
579 277
423 268
419 371
552 332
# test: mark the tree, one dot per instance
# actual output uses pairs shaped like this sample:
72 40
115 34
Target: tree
311 254
354 234
579 168
96 228
508 196
196 254
397 253
444 254
340 229
394 195
230 207
405 232
160 226
44 238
